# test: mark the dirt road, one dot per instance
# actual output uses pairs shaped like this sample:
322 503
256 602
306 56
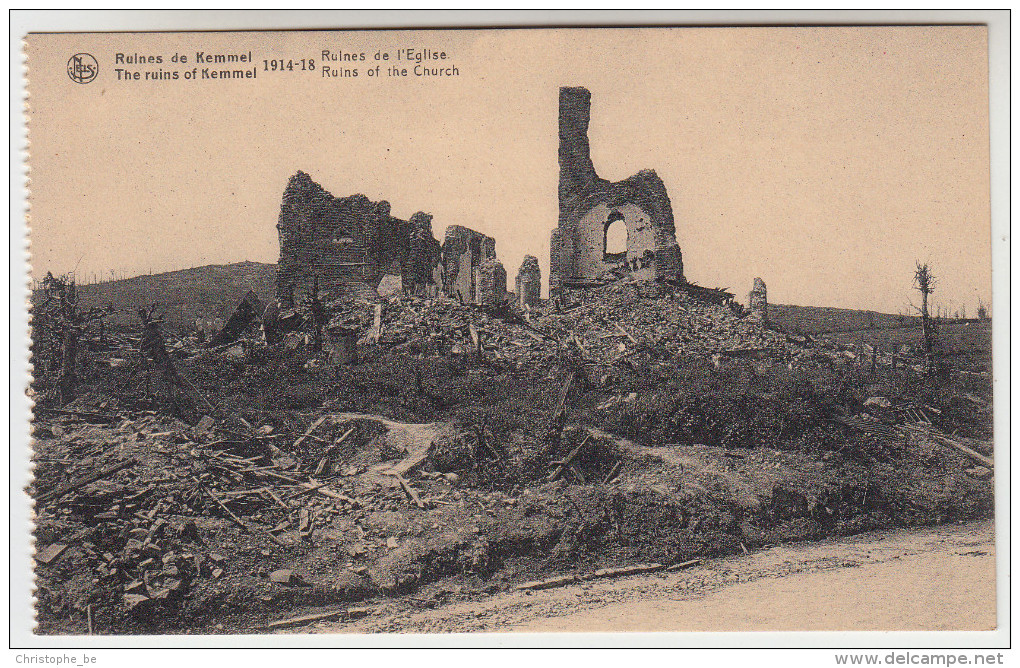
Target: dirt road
937 578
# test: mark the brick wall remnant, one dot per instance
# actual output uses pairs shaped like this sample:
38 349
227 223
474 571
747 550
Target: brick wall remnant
590 206
529 282
758 302
348 244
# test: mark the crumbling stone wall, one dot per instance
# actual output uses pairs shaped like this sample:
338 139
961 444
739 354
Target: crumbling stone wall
529 282
465 252
422 261
347 244
589 205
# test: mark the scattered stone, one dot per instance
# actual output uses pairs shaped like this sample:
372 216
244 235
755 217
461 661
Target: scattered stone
284 576
979 472
132 601
158 594
50 553
204 426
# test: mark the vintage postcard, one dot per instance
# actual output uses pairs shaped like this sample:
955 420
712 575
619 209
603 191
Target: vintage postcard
512 330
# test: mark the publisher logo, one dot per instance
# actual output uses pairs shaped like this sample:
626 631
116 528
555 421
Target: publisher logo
82 68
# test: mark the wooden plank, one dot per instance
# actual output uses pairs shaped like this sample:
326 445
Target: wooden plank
613 472
346 613
329 450
275 498
50 553
560 465
307 619
87 480
547 584
376 332
626 333
311 430
973 454
306 490
561 404
241 523
945 440
683 565
411 492
622 571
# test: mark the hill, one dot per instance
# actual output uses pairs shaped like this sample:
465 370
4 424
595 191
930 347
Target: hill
828 320
212 291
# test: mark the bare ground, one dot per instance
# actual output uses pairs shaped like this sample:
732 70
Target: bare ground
930 579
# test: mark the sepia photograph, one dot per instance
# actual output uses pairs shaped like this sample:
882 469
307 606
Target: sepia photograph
520 330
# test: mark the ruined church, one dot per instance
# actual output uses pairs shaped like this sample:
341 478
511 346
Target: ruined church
348 245
595 212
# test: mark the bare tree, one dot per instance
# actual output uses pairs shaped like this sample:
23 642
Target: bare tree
924 282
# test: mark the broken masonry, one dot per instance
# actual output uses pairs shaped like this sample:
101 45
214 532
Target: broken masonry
758 302
595 212
347 245
529 282
471 272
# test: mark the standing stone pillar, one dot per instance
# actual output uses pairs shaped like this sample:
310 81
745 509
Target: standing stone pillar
758 302
491 282
529 282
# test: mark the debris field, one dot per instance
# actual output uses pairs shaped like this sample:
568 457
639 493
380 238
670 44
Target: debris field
415 450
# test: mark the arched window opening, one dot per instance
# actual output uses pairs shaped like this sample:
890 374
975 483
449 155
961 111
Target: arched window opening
615 241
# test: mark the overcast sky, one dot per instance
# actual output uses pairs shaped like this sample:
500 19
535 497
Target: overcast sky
825 160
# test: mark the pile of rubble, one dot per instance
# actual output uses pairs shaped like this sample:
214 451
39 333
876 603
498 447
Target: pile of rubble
606 325
618 318
140 515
